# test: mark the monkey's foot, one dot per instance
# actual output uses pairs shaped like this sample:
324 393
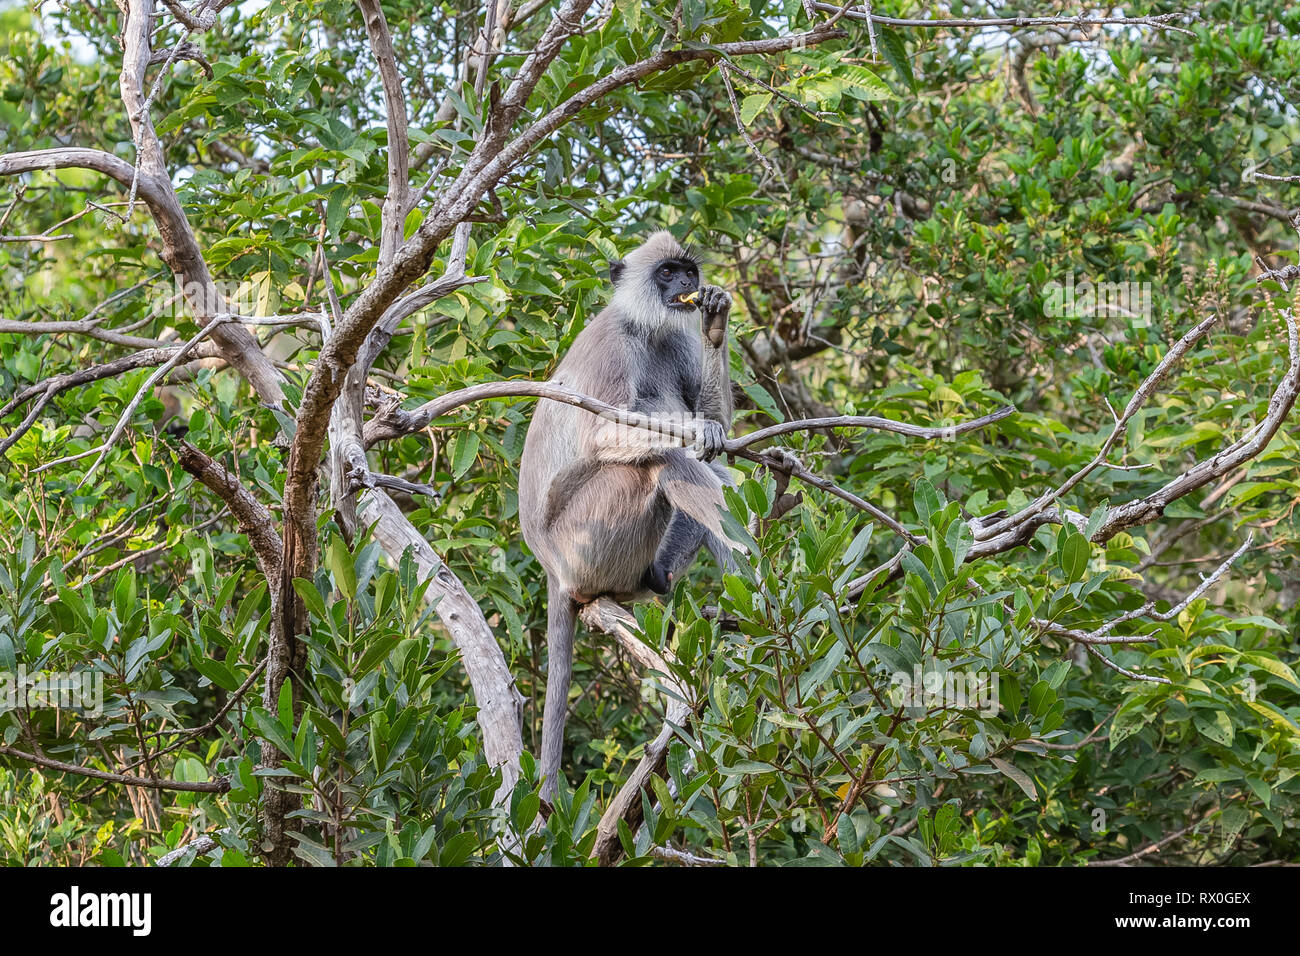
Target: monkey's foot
657 580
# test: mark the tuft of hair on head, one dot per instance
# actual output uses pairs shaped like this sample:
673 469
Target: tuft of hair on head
662 245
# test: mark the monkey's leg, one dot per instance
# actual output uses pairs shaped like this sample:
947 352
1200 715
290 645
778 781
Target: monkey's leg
694 488
607 532
677 550
561 616
695 491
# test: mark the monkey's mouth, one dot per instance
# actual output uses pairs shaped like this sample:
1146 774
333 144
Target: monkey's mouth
686 300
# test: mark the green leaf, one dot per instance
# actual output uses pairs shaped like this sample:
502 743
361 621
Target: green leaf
458 849
339 560
959 539
1041 698
1218 728
926 501
335 213
1273 666
525 812
1018 776
215 671
1232 821
862 84
847 833
752 105
464 452
261 723
311 597
895 53
1074 555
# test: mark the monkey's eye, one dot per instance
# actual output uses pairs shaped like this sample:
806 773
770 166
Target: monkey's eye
665 272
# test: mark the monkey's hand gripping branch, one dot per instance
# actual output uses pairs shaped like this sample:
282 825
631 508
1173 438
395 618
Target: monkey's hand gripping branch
710 439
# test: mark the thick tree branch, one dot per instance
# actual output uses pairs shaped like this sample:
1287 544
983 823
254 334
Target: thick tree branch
253 517
499 702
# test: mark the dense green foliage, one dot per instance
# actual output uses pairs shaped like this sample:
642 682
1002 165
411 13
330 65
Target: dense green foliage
895 252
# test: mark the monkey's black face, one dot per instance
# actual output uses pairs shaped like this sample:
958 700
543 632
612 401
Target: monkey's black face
675 278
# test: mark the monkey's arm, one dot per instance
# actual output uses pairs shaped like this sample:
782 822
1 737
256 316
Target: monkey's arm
715 381
713 408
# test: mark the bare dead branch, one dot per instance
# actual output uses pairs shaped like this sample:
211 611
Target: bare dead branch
673 855
199 846
499 701
392 421
1140 397
183 51
1148 849
928 432
124 419
231 701
396 203
180 251
1249 446
45 390
133 556
1094 736
220 785
608 616
1164 21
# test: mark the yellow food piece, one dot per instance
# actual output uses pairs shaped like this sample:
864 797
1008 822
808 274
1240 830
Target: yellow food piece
689 297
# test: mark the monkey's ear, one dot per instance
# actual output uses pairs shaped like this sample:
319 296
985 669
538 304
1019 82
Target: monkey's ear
616 267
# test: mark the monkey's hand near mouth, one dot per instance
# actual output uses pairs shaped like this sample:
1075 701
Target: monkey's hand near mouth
715 306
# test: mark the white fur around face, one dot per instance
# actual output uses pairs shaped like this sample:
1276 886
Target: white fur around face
637 297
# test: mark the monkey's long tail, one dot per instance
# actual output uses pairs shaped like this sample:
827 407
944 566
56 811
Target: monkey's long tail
561 618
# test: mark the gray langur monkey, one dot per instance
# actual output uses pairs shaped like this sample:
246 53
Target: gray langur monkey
612 510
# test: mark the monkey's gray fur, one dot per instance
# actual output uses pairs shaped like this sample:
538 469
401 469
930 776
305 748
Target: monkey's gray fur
613 510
